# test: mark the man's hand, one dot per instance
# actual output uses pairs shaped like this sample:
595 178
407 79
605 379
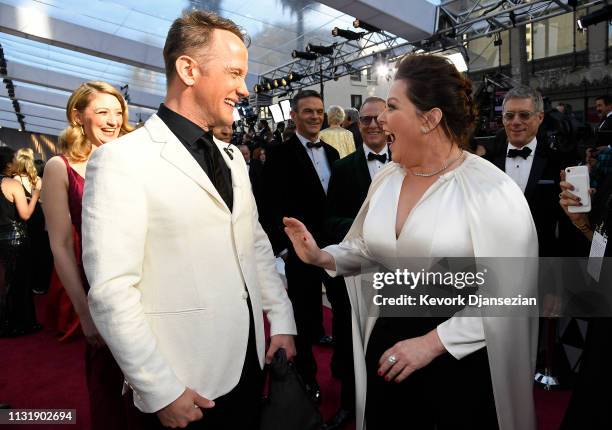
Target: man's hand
284 341
184 410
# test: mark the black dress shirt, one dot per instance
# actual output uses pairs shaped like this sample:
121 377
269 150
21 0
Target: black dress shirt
200 145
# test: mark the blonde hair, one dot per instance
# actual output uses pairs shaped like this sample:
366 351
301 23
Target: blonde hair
335 115
24 165
74 143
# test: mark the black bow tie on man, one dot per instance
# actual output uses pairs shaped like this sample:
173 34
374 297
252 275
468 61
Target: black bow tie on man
380 157
314 144
524 152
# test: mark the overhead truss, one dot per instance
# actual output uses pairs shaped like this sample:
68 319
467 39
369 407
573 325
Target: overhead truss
459 21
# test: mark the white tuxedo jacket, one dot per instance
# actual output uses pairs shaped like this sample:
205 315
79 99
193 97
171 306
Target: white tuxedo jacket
168 262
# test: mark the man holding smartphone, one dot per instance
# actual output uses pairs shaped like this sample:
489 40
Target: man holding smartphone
531 163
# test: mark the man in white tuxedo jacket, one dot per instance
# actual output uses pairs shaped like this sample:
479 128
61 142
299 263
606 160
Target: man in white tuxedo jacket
179 267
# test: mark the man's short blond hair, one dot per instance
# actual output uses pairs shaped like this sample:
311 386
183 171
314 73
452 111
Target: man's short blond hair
192 32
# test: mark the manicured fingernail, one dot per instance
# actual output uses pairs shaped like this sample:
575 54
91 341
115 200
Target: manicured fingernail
380 373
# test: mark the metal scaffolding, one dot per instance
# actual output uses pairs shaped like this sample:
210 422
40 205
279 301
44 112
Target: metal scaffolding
459 21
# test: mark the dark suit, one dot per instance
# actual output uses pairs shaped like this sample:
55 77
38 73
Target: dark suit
256 178
542 194
348 188
603 132
293 189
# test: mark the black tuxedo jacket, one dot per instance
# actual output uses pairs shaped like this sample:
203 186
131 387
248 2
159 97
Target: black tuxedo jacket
293 189
542 194
256 177
603 132
348 188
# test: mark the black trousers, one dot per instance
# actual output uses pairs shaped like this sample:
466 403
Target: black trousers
304 290
342 359
447 394
589 407
238 409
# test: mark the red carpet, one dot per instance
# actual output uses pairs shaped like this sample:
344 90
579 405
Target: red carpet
37 371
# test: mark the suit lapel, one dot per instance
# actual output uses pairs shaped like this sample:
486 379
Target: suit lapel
305 161
500 159
537 168
236 176
175 153
362 167
330 153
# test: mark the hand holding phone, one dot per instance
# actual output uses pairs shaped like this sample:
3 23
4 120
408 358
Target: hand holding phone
578 176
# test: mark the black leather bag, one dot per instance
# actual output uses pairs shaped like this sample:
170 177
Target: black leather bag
288 405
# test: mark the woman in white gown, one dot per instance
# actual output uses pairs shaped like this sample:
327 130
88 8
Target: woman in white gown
435 201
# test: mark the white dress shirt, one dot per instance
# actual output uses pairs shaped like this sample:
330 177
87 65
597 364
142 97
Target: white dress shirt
374 166
319 161
518 168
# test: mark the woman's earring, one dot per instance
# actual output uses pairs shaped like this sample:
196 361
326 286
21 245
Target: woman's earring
82 131
424 130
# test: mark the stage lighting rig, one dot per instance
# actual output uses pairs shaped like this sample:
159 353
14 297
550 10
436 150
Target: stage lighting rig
304 55
320 49
294 77
603 14
367 27
347 34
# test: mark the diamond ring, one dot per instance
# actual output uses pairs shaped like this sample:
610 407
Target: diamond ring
392 359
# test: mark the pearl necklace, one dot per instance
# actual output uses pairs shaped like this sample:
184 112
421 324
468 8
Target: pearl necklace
444 167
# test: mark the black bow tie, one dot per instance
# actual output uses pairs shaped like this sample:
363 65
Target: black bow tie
314 144
380 157
513 153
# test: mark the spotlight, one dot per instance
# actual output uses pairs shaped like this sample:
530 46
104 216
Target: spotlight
347 34
320 49
270 83
381 65
304 55
294 77
497 41
367 27
596 17
258 88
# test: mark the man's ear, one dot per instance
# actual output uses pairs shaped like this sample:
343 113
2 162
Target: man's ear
186 69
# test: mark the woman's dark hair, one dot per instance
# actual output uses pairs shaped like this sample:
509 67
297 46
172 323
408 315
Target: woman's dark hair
6 157
434 82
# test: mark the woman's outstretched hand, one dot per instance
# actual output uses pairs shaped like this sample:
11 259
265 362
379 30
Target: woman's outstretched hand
304 244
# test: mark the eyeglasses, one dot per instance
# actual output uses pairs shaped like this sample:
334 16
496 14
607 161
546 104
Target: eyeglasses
367 120
523 115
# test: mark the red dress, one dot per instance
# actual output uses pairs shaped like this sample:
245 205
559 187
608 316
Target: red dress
108 409
59 313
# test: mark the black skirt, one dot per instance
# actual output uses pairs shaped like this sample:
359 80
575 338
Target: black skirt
446 394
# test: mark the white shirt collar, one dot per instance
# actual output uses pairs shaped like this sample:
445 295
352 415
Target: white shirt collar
304 141
531 145
367 150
